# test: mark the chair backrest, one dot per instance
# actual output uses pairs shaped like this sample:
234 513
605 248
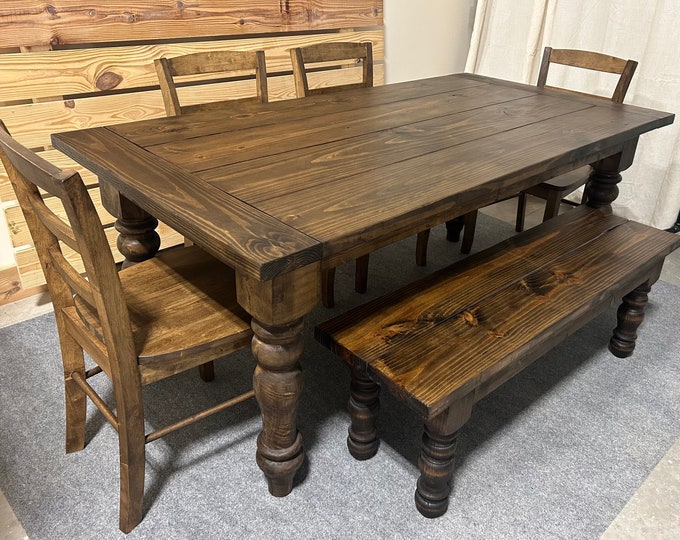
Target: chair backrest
82 232
589 60
226 63
324 56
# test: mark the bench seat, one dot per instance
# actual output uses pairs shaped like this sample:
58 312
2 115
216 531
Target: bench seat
444 342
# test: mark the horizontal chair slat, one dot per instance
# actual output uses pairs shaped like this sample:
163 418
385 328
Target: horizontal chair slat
29 265
19 229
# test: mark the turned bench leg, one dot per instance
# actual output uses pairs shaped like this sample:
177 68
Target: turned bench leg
630 315
363 406
436 463
437 456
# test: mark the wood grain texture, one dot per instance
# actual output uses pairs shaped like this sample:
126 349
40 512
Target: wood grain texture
33 124
236 233
45 74
10 283
435 341
69 22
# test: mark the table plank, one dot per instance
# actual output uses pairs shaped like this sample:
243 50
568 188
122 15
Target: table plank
365 211
233 231
217 150
273 176
249 115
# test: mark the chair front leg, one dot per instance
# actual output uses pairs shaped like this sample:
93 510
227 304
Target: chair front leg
132 453
361 274
328 287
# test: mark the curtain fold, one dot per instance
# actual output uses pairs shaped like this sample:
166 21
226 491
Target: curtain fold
507 42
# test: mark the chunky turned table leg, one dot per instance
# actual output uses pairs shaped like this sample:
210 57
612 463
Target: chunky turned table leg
436 465
363 406
278 383
601 188
138 240
278 307
630 315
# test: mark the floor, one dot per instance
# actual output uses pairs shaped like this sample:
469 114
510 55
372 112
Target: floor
652 513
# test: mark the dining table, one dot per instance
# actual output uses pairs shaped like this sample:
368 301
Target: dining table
284 190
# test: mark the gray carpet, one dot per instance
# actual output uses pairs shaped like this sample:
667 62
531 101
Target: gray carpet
554 453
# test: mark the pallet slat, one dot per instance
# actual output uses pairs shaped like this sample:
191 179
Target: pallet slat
46 74
69 22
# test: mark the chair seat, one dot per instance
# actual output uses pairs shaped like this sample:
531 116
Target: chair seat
166 308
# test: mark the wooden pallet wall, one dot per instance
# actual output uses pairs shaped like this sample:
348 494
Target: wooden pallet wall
71 64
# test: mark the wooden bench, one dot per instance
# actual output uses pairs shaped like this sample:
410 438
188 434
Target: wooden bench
69 64
443 343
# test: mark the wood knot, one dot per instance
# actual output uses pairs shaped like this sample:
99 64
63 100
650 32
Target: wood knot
470 317
180 5
51 10
69 104
108 80
15 287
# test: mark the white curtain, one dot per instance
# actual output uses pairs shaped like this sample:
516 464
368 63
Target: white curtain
508 40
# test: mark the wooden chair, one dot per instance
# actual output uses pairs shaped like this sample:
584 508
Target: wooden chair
323 58
212 62
140 325
555 189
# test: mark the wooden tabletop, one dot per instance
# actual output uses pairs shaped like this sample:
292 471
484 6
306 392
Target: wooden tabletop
271 188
